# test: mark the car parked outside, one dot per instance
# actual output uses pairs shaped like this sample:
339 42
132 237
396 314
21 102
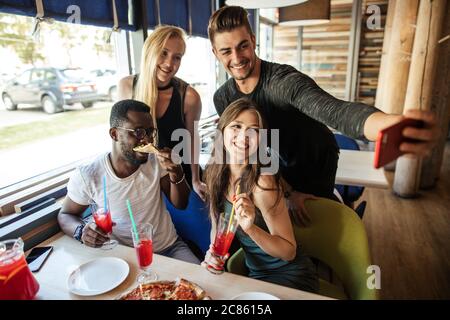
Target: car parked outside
4 79
106 81
51 88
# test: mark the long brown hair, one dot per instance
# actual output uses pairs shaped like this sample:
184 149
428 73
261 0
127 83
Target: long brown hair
217 172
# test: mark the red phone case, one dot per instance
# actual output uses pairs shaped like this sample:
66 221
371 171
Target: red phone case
389 140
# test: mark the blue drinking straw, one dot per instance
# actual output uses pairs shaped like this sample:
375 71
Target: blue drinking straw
132 221
104 193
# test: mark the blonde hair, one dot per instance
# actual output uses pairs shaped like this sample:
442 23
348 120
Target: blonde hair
146 87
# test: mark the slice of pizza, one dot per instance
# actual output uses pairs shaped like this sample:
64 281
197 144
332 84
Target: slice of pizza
186 290
146 148
159 290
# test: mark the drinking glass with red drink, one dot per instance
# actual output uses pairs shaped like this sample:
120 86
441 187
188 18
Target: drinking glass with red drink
16 280
143 245
224 237
103 220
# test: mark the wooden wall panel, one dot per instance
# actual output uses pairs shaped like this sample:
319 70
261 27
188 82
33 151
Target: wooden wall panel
285 44
370 51
324 48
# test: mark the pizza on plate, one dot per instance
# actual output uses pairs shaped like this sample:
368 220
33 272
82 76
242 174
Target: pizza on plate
147 148
166 290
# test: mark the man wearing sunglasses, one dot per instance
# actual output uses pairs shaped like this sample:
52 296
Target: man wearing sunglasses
139 177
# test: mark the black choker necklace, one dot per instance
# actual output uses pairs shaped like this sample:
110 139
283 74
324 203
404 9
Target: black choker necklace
168 86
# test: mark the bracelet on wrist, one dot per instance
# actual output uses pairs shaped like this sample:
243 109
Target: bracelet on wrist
79 232
178 182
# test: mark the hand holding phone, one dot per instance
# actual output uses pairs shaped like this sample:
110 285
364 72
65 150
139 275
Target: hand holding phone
387 147
37 257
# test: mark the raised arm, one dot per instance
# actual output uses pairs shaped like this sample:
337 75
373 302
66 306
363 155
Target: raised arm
300 91
356 120
192 112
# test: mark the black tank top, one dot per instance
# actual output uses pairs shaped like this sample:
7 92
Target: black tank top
172 119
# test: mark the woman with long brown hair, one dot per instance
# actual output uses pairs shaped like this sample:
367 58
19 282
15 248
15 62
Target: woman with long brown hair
265 230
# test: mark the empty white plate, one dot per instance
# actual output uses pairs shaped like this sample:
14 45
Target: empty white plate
255 296
98 276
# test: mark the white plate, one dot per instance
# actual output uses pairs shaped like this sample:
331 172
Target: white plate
255 296
98 276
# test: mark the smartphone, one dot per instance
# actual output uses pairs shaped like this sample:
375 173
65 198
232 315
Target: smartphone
387 147
37 257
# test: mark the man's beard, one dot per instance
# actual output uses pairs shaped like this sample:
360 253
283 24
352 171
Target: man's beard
130 156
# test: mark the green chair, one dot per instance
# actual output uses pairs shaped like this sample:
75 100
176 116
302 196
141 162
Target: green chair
336 236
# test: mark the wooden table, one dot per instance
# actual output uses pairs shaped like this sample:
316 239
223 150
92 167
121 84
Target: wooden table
68 254
355 168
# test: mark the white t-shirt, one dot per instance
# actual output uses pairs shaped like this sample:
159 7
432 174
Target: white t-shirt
143 190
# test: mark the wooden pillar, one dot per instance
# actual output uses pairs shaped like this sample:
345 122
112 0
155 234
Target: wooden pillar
383 66
440 104
384 55
399 55
420 84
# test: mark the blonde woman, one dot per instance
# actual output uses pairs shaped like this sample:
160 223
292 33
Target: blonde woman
173 103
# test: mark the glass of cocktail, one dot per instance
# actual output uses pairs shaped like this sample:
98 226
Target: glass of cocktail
103 220
142 241
224 237
16 280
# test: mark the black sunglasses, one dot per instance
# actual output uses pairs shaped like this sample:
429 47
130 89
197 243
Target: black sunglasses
141 133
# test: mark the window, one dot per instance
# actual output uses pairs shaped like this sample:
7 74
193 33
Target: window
66 119
198 69
266 41
268 18
37 75
50 76
74 74
24 78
